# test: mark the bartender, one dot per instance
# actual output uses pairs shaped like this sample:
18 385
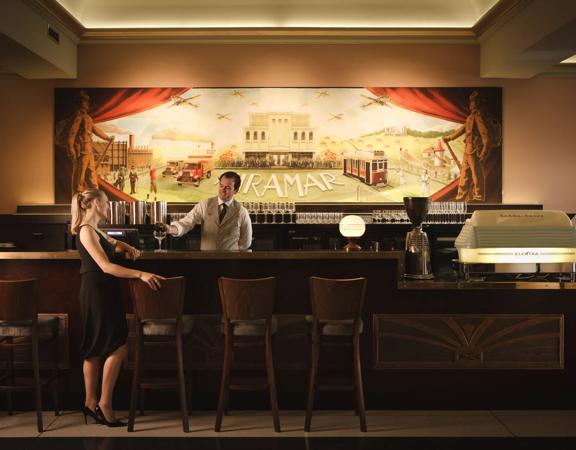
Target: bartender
225 222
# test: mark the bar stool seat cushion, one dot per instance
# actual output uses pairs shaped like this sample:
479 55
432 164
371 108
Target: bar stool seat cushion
336 327
167 327
251 327
47 327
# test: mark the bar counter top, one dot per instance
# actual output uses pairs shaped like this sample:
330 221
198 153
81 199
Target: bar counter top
202 255
424 285
403 284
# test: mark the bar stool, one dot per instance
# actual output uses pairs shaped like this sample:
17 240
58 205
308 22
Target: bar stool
159 322
20 328
336 321
247 307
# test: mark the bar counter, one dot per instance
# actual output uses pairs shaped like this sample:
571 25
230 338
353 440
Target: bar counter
203 255
426 344
445 283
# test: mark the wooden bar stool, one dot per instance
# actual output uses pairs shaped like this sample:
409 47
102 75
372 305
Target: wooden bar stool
336 321
21 328
159 322
247 307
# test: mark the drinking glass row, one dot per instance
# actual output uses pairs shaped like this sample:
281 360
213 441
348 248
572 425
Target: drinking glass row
270 207
439 212
285 212
319 217
447 212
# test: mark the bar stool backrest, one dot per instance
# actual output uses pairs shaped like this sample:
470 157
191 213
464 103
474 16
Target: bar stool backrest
165 303
248 299
337 299
19 301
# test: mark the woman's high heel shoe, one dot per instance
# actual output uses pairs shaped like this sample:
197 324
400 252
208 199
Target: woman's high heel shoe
89 413
102 419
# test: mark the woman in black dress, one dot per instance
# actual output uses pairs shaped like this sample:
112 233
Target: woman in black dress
103 318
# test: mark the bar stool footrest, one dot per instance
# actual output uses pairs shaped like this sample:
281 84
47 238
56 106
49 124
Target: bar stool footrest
256 384
152 383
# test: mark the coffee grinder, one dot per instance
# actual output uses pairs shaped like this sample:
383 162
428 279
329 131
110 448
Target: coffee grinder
417 261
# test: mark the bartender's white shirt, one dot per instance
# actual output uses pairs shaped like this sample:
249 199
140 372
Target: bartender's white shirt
234 233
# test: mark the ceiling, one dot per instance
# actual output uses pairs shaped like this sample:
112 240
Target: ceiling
277 13
516 38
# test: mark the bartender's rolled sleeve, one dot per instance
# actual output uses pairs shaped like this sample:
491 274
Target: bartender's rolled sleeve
191 219
180 229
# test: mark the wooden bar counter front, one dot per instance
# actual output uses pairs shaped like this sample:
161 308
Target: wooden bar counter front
425 345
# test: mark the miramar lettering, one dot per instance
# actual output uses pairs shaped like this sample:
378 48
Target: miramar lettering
284 184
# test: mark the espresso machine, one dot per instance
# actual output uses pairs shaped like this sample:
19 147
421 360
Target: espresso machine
417 260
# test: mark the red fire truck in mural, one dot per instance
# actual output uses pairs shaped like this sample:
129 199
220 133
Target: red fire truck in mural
370 168
195 169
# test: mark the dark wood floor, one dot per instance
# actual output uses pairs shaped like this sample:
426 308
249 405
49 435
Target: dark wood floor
250 425
289 443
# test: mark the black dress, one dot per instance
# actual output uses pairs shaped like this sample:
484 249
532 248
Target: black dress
104 327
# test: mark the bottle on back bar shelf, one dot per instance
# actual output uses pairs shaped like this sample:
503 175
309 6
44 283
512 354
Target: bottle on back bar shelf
269 212
278 216
260 215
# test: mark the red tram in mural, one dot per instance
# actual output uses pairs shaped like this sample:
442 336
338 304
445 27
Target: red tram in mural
371 169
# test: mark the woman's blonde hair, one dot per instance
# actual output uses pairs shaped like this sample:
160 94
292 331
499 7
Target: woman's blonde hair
81 202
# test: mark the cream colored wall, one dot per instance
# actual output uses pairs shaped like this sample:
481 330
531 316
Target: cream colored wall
539 115
26 165
539 148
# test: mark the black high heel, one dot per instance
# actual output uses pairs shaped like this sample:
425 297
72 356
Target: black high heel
89 413
102 419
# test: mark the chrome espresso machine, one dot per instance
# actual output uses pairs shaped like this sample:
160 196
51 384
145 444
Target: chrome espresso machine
517 241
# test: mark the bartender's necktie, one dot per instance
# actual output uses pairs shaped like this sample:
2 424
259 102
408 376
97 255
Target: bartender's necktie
222 212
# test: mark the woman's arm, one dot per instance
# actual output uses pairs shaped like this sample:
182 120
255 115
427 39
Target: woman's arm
123 247
91 242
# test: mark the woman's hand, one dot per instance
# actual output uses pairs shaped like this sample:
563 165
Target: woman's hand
133 253
151 280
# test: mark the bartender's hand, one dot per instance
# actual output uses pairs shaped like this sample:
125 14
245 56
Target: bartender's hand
170 229
159 226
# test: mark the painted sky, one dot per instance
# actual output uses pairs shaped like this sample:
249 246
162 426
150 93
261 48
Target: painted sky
179 130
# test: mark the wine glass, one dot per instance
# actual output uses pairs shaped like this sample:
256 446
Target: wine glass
291 207
159 235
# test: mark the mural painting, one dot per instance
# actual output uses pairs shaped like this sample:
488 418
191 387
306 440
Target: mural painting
321 145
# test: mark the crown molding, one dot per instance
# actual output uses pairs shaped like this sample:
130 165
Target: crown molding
497 16
274 35
493 19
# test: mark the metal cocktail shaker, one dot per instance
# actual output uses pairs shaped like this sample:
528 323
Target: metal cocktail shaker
137 212
117 213
417 262
158 212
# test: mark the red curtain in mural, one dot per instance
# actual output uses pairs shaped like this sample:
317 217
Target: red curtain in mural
105 104
125 102
449 104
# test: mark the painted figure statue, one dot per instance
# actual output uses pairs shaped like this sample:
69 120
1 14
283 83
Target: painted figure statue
79 147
